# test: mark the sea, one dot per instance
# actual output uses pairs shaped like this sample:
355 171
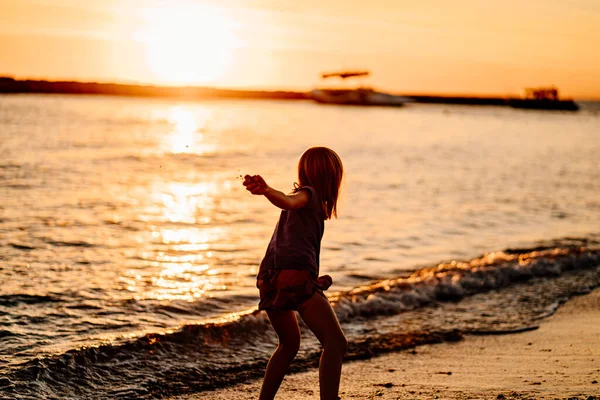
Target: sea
129 247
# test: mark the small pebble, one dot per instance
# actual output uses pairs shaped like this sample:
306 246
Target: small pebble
594 382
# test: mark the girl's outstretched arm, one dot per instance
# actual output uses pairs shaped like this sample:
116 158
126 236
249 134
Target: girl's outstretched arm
257 186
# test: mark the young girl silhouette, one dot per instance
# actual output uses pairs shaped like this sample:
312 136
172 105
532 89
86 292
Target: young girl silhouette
288 277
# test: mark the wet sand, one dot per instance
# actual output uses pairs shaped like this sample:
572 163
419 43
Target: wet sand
561 359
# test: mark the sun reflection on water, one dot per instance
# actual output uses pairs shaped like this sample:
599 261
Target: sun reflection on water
177 259
177 251
186 271
187 203
187 135
184 281
186 287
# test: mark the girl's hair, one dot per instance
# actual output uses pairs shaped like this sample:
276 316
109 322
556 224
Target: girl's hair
322 169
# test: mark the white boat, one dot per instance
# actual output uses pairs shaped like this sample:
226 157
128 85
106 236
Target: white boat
357 97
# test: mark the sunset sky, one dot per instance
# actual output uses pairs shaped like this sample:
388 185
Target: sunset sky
441 46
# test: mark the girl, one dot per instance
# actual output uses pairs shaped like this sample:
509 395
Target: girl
287 279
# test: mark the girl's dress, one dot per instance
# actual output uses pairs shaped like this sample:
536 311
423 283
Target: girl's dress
288 274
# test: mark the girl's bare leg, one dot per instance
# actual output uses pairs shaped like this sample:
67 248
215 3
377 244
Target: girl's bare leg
320 318
286 327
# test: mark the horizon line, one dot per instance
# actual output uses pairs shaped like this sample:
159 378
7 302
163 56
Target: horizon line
266 90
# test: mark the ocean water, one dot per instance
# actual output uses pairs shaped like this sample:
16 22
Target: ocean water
129 247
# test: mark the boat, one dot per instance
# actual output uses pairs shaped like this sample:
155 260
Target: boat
357 97
543 99
362 96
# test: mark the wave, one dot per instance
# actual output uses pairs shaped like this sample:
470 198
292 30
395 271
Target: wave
21 246
500 292
6 333
68 243
9 300
11 166
456 280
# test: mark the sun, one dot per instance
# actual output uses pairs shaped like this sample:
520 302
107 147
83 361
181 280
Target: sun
187 43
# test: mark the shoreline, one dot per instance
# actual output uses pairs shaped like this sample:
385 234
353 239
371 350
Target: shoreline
560 359
9 85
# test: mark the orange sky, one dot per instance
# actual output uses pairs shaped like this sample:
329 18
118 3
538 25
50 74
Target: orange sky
442 46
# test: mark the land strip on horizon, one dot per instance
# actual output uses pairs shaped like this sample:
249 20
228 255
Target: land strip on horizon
9 85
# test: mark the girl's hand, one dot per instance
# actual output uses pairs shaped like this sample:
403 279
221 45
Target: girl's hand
324 282
256 184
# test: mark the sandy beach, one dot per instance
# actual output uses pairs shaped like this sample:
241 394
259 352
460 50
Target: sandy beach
561 359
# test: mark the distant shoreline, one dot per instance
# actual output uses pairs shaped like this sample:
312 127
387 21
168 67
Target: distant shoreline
9 85
14 86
